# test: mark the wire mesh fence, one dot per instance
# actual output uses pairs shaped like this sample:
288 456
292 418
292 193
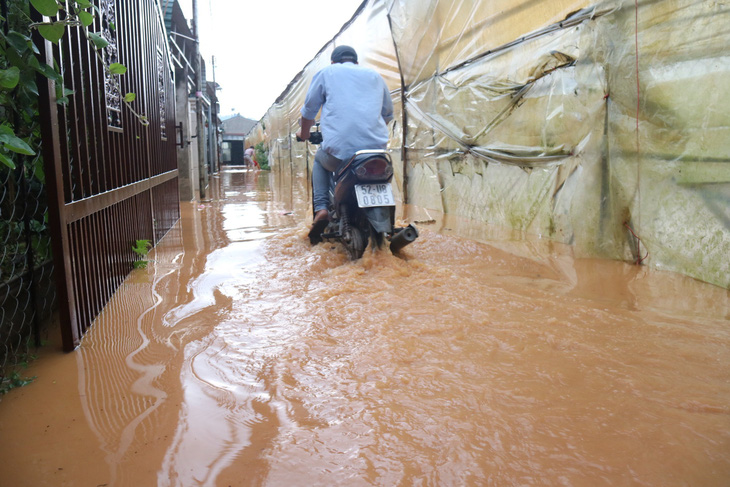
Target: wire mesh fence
27 291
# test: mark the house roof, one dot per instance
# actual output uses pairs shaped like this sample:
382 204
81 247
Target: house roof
238 125
174 17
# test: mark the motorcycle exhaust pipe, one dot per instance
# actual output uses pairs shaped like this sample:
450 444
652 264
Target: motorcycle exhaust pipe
403 237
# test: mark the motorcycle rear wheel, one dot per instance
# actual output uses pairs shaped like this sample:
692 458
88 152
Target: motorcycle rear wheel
355 244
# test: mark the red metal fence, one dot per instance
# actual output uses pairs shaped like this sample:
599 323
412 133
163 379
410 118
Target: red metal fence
112 180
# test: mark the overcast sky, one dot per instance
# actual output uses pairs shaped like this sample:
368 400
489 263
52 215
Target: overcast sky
259 46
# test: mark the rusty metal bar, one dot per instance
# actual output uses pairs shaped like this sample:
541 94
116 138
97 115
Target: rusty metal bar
57 182
80 209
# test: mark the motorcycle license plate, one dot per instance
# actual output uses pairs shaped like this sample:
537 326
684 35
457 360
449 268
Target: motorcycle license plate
369 195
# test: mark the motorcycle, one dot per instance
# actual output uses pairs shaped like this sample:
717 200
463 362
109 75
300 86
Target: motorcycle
361 204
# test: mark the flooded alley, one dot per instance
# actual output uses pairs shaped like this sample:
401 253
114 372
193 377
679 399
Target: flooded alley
244 356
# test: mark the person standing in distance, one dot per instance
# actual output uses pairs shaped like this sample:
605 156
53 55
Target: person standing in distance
356 108
248 157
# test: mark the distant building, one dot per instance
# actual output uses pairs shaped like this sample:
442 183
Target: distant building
181 40
234 134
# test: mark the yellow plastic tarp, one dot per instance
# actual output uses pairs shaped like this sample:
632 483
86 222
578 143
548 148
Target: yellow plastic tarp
603 125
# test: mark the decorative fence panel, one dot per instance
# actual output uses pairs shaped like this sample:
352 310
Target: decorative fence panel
111 165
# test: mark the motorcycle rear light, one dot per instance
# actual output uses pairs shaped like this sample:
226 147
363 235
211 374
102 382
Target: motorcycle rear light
374 170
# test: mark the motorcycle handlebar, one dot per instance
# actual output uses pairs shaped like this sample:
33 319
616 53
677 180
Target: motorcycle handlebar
314 138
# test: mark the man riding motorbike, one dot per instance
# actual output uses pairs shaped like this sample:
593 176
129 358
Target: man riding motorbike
356 108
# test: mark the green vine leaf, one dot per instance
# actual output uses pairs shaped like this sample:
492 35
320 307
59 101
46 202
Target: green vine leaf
86 18
130 97
116 68
46 7
31 87
40 174
98 40
52 32
6 160
9 78
16 145
62 94
84 3
45 70
18 41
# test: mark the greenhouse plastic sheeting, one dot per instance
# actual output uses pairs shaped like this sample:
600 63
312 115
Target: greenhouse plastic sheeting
602 125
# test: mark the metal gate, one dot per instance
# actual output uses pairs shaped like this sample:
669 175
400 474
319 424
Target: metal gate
111 178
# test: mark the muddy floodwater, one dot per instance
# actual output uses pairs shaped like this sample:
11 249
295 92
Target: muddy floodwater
243 356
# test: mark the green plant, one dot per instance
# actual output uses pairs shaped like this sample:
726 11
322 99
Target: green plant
262 155
13 382
21 162
19 132
141 248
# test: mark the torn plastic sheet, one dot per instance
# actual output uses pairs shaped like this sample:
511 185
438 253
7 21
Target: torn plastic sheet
469 104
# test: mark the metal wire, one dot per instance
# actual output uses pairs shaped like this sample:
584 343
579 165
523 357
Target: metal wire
27 291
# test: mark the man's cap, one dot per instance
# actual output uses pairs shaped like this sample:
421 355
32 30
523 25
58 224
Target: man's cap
342 54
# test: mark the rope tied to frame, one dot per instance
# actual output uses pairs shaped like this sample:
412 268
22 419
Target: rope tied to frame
639 259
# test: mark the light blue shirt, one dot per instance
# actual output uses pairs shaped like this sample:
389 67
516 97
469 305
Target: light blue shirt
356 108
